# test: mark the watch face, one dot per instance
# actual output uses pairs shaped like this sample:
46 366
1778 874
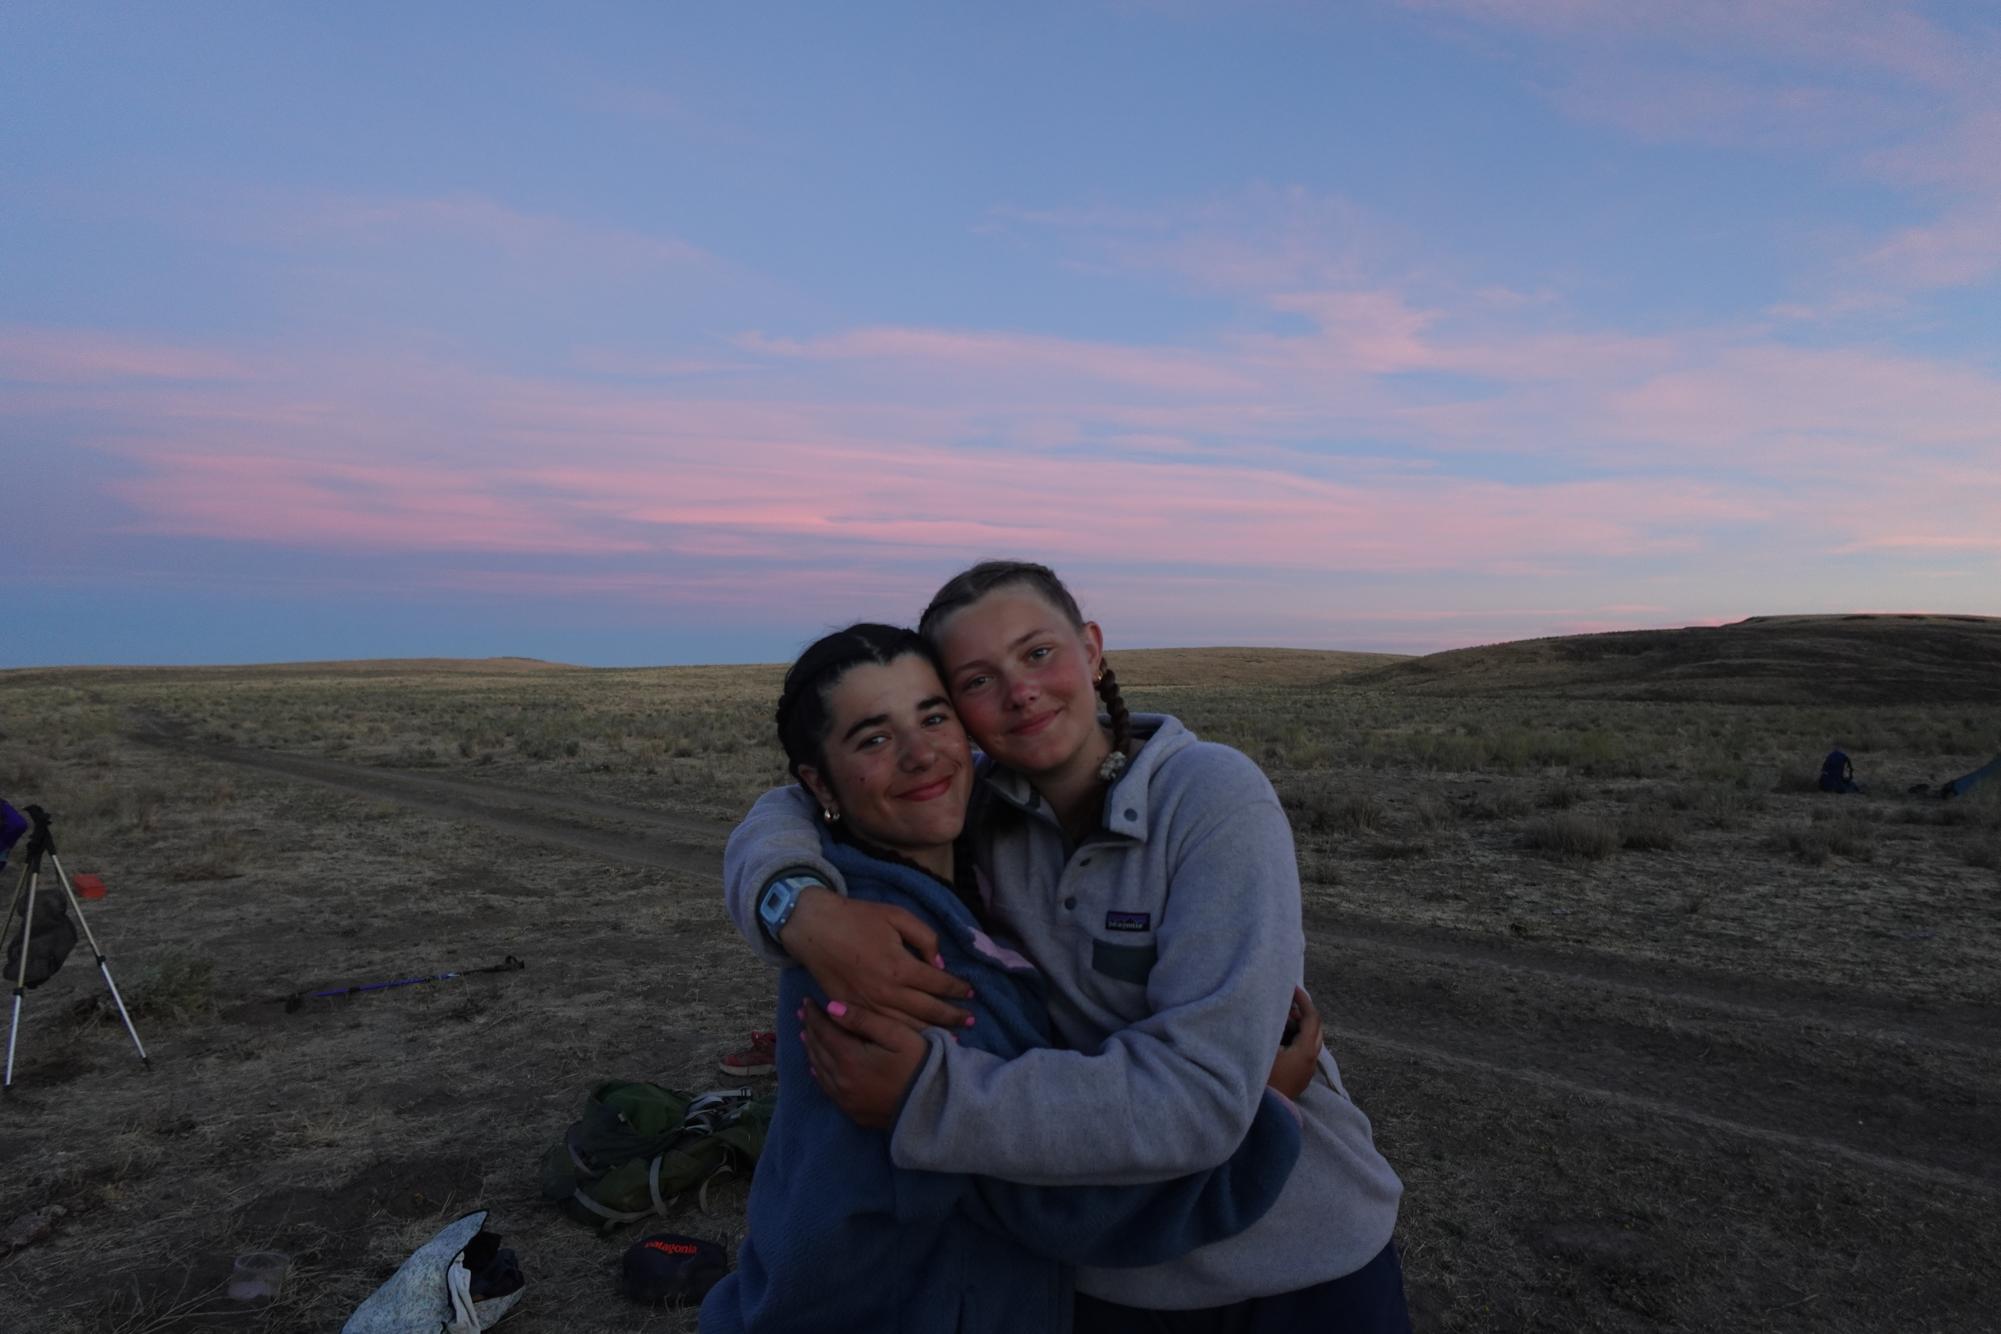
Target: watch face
776 899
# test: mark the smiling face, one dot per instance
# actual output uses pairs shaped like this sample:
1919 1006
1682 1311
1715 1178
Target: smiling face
897 767
1022 677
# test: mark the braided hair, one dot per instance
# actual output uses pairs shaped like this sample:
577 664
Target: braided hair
969 586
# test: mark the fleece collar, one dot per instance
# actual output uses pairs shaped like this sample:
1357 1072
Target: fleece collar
1159 736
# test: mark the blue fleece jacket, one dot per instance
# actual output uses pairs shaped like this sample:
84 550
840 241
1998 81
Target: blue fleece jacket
841 1239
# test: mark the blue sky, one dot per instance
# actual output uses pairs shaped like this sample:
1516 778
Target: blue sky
634 334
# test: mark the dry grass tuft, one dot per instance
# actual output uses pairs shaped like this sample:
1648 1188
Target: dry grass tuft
176 989
1985 854
1825 839
1647 831
1324 811
1572 837
1506 803
1560 795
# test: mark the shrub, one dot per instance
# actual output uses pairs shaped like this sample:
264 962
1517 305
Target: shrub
1322 811
1818 843
1560 795
1432 812
1395 849
219 856
1686 798
1507 803
1715 807
1569 836
1647 831
174 989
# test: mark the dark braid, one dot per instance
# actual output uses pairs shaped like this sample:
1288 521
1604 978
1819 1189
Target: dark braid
1115 705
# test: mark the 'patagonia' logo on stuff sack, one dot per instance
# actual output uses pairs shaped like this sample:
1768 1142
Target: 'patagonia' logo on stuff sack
1128 921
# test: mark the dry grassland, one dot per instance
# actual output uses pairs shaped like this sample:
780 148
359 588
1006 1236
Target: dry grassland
1658 1036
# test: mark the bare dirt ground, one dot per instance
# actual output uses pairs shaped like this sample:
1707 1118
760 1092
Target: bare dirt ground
1658 1037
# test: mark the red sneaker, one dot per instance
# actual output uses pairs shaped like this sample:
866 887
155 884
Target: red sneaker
759 1058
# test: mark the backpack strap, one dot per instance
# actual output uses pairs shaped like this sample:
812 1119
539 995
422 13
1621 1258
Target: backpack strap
612 1217
702 1195
653 1185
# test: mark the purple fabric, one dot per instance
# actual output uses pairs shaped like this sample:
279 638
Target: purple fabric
12 825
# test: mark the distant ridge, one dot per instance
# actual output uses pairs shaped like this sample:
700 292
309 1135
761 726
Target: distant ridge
1139 668
353 667
1156 667
1877 658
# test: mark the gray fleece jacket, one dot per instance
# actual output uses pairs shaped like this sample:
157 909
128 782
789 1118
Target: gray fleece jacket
1171 941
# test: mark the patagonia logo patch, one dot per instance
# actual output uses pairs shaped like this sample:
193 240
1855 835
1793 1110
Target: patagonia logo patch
1128 921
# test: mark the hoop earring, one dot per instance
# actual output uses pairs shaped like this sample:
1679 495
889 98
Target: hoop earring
830 815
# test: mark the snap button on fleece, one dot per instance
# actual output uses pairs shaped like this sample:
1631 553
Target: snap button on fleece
1131 814
1070 902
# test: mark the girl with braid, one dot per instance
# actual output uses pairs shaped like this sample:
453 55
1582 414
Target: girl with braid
1151 879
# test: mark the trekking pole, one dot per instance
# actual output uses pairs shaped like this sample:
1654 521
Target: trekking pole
298 999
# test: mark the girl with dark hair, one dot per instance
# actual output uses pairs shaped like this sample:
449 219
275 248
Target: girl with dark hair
1151 877
840 1238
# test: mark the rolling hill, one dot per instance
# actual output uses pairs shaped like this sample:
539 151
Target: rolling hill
1887 659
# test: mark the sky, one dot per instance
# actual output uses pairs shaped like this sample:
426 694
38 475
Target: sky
636 333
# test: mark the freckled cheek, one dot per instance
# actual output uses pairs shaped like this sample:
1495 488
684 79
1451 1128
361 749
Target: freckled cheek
978 716
862 782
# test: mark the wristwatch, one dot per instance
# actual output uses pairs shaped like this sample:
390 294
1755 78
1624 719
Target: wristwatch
780 897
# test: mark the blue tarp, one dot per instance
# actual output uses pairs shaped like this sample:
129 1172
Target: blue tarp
1959 787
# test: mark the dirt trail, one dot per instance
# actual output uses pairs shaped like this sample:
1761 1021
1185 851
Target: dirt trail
1975 1029
1979 1183
663 839
1777 1076
1835 1074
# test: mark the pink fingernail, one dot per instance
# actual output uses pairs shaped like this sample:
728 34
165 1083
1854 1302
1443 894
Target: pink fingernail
937 961
836 1009
969 1021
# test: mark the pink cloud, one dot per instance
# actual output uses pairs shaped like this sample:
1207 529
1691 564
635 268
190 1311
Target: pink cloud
1805 448
81 356
1262 239
1961 248
307 503
1884 89
484 221
1926 542
989 353
1839 34
1774 396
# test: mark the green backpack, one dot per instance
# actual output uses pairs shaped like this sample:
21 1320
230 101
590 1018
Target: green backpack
640 1147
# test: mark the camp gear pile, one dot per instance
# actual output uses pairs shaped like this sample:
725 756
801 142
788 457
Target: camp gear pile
639 1147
